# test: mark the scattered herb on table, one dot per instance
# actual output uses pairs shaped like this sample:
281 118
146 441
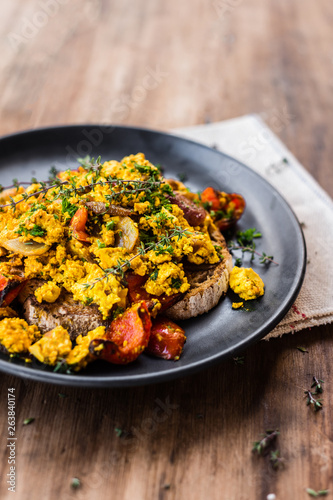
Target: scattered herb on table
302 349
119 432
239 360
317 384
276 461
310 400
268 438
313 493
245 243
75 483
28 421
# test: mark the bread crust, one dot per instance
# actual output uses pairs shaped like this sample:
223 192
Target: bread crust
207 287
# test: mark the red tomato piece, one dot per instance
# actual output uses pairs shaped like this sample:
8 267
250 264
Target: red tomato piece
126 338
78 225
229 207
9 289
13 294
210 195
136 292
135 283
166 339
234 206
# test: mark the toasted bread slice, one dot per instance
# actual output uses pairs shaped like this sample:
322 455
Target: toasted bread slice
74 316
207 286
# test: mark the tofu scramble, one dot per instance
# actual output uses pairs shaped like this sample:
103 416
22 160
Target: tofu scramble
82 233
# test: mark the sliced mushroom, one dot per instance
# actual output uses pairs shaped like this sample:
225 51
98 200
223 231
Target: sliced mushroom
27 249
192 213
127 234
101 208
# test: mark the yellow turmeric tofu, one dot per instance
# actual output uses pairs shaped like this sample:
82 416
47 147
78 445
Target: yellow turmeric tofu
17 336
54 346
246 283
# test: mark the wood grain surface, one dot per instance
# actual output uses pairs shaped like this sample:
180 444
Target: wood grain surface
162 65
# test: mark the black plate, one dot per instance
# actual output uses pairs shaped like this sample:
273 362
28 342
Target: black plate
221 333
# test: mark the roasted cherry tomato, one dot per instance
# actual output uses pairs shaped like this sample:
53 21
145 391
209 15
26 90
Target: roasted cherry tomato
211 196
78 225
10 288
166 339
225 208
136 292
126 338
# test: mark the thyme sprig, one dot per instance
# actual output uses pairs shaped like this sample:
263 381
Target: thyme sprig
245 243
16 184
141 186
310 400
276 460
317 384
263 257
161 246
262 445
26 196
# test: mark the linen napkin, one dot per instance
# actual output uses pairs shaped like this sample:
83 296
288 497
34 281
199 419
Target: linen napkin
249 140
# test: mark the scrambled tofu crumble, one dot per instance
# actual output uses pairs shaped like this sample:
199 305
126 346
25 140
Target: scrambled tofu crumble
246 283
81 232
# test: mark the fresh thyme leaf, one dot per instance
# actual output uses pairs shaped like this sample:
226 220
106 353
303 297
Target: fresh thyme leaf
302 349
85 162
276 461
239 360
35 231
117 312
317 383
246 244
110 225
176 283
246 237
28 421
119 432
154 275
53 174
182 176
265 258
75 483
313 493
88 301
68 207
310 400
100 244
62 367
268 438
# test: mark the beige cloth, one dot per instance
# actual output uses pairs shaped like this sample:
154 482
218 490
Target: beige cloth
250 141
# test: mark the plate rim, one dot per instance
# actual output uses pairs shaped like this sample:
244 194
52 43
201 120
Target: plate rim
88 381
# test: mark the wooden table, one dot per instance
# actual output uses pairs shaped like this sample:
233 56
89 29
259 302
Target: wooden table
163 65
